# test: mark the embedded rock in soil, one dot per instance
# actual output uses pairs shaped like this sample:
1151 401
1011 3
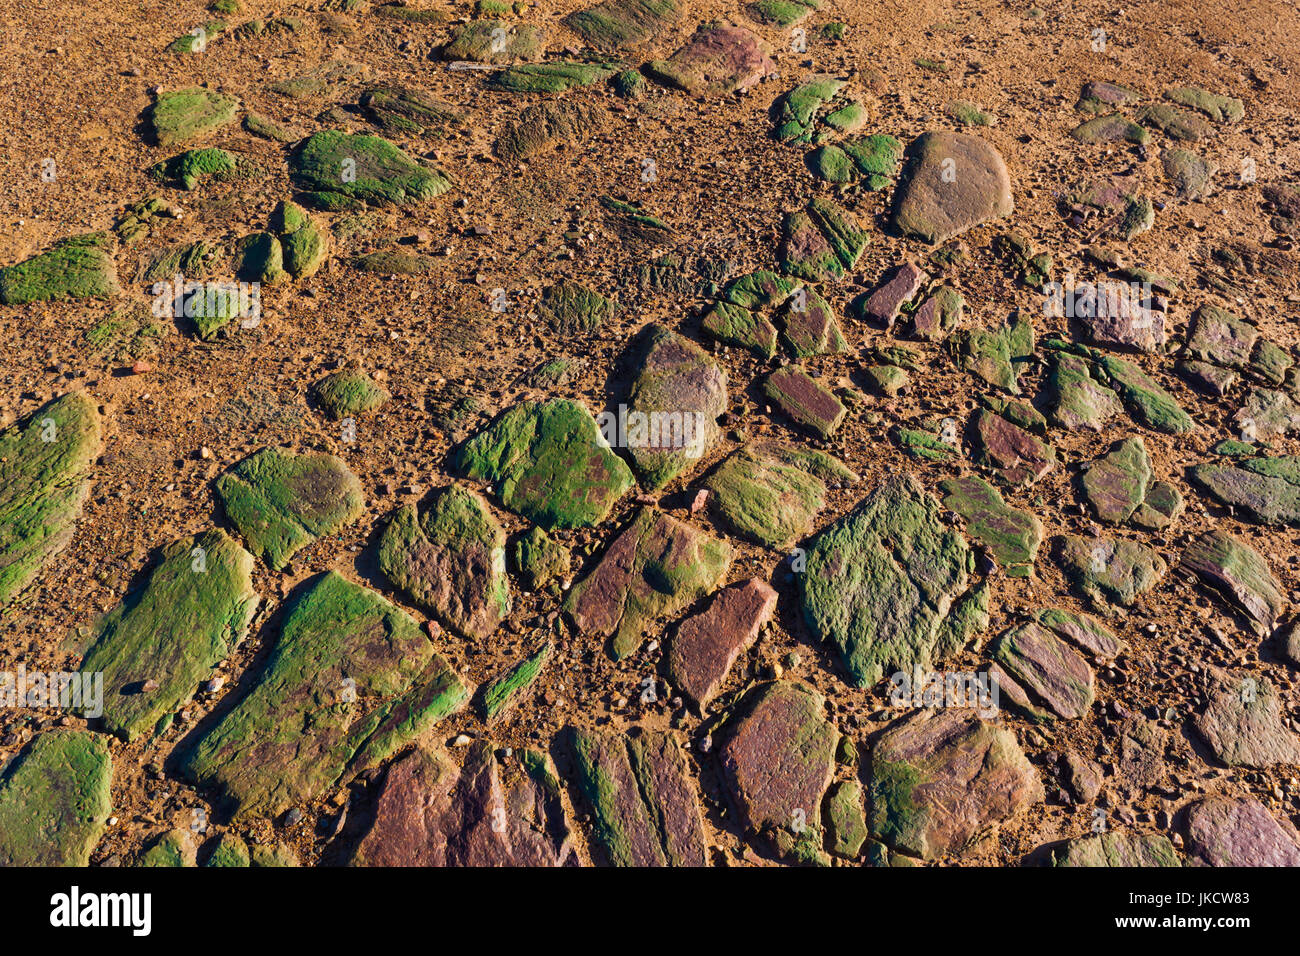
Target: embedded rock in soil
1118 849
571 307
281 501
495 41
1267 489
1111 569
1190 174
175 848
1222 831
941 778
349 681
337 170
43 463
349 393
822 242
777 763
995 357
1052 672
540 559
170 633
1099 96
673 407
1173 122
76 268
1111 314
655 567
229 851
430 813
895 289
1111 128
542 127
549 462
717 60
884 583
1011 536
618 25
872 160
54 799
1242 724
1220 108
642 794
1083 631
708 643
816 110
1239 572
499 696
1017 456
396 109
178 116
805 400
1115 485
449 559
1074 398
938 316
952 183
770 492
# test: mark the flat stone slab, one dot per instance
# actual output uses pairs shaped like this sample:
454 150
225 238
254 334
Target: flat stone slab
179 116
449 559
1049 669
884 583
1015 455
619 25
1265 489
1122 849
654 568
952 182
1075 398
541 128
168 635
676 399
1115 485
1242 724
337 170
550 463
1110 128
707 644
80 267
349 681
44 459
348 393
1098 96
282 501
1142 396
1011 536
1083 631
431 813
941 778
938 315
1173 122
54 800
816 110
571 307
805 400
895 289
717 60
777 764
1115 315
995 357
1222 831
499 696
1191 175
644 803
822 242
495 41
1218 107
1237 571
771 492
1110 569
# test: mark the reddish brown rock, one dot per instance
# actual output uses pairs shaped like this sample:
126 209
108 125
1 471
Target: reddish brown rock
429 813
1018 457
707 644
805 400
718 59
896 288
1226 832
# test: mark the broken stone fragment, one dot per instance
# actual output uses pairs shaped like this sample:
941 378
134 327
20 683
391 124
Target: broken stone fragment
806 401
1238 572
707 644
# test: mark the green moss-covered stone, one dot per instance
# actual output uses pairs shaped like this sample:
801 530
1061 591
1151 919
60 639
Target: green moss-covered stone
572 307
1266 489
281 501
188 168
970 114
737 326
623 24
1220 108
1115 485
846 820
880 582
165 637
540 559
1052 672
1011 536
350 679
549 463
1124 849
349 392
495 41
449 558
54 800
175 848
1111 128
1173 122
821 243
399 110
503 693
277 855
43 484
656 567
551 77
229 851
367 169
1114 569
770 493
76 268
1241 574
178 116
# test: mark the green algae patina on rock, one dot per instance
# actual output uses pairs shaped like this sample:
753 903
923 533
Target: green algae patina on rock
178 116
1118 849
1052 672
815 111
550 463
1114 569
846 820
822 242
940 778
1011 536
188 168
349 392
54 800
1115 485
334 168
882 582
1220 108
770 492
572 307
644 804
623 24
495 41
777 763
175 848
281 501
1144 398
350 680
1111 128
43 484
544 127
806 401
551 77
1229 565
76 268
400 110
1266 489
449 559
872 159
229 851
996 357
676 398
656 567
540 559
502 694
156 646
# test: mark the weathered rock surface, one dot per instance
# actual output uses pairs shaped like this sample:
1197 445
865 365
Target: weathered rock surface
1110 569
1123 849
619 25
951 183
1222 831
1266 489
1239 572
337 170
805 400
822 242
1011 536
179 116
1048 668
54 800
348 393
717 60
77 268
1242 724
1115 485
708 643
